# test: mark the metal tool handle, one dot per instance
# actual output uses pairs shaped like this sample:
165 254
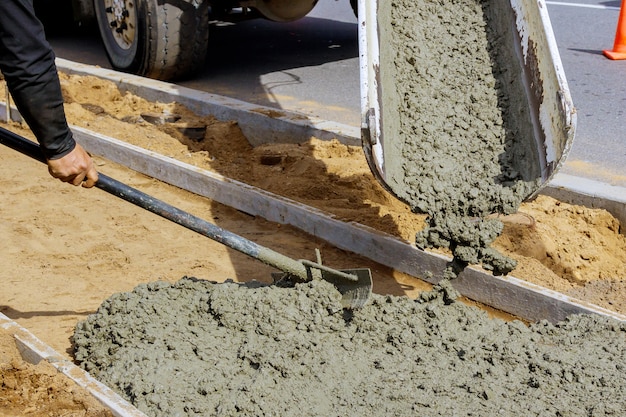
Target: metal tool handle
187 220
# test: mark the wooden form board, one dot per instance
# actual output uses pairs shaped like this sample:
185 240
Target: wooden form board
34 351
515 296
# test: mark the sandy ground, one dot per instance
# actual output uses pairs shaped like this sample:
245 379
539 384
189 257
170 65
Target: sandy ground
39 390
557 245
65 250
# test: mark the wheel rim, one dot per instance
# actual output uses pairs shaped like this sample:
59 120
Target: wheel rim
122 18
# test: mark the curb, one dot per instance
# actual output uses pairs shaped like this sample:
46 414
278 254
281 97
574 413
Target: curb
510 294
260 124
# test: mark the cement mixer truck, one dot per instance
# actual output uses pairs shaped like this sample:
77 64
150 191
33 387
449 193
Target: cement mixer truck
168 39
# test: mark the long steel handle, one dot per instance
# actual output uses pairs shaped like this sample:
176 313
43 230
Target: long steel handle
187 220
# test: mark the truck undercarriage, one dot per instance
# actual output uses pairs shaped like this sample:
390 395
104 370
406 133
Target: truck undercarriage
168 40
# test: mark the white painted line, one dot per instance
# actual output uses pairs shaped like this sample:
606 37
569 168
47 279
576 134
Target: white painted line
586 6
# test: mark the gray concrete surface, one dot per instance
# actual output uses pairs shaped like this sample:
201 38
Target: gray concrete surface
253 350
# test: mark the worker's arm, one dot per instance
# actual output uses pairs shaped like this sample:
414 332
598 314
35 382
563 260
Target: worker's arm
27 63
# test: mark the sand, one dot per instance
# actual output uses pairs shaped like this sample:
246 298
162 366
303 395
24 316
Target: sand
38 390
554 244
67 251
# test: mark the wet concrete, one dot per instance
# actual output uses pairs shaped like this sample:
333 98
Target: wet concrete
199 348
459 144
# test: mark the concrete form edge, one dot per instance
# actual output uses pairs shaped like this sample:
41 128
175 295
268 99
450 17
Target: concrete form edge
34 350
589 193
509 294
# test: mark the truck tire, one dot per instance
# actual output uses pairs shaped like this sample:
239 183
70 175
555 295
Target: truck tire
165 40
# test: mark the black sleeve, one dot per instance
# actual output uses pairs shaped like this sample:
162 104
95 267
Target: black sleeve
27 62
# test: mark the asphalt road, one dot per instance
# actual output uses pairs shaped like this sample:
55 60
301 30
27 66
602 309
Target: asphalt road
311 66
598 87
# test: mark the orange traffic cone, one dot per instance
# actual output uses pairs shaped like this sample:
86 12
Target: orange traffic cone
619 48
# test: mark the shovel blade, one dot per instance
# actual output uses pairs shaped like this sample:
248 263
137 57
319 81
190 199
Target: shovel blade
354 294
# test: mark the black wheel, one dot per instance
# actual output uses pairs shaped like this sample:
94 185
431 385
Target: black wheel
355 7
162 40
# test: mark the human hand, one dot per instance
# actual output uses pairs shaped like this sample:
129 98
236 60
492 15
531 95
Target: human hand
76 168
